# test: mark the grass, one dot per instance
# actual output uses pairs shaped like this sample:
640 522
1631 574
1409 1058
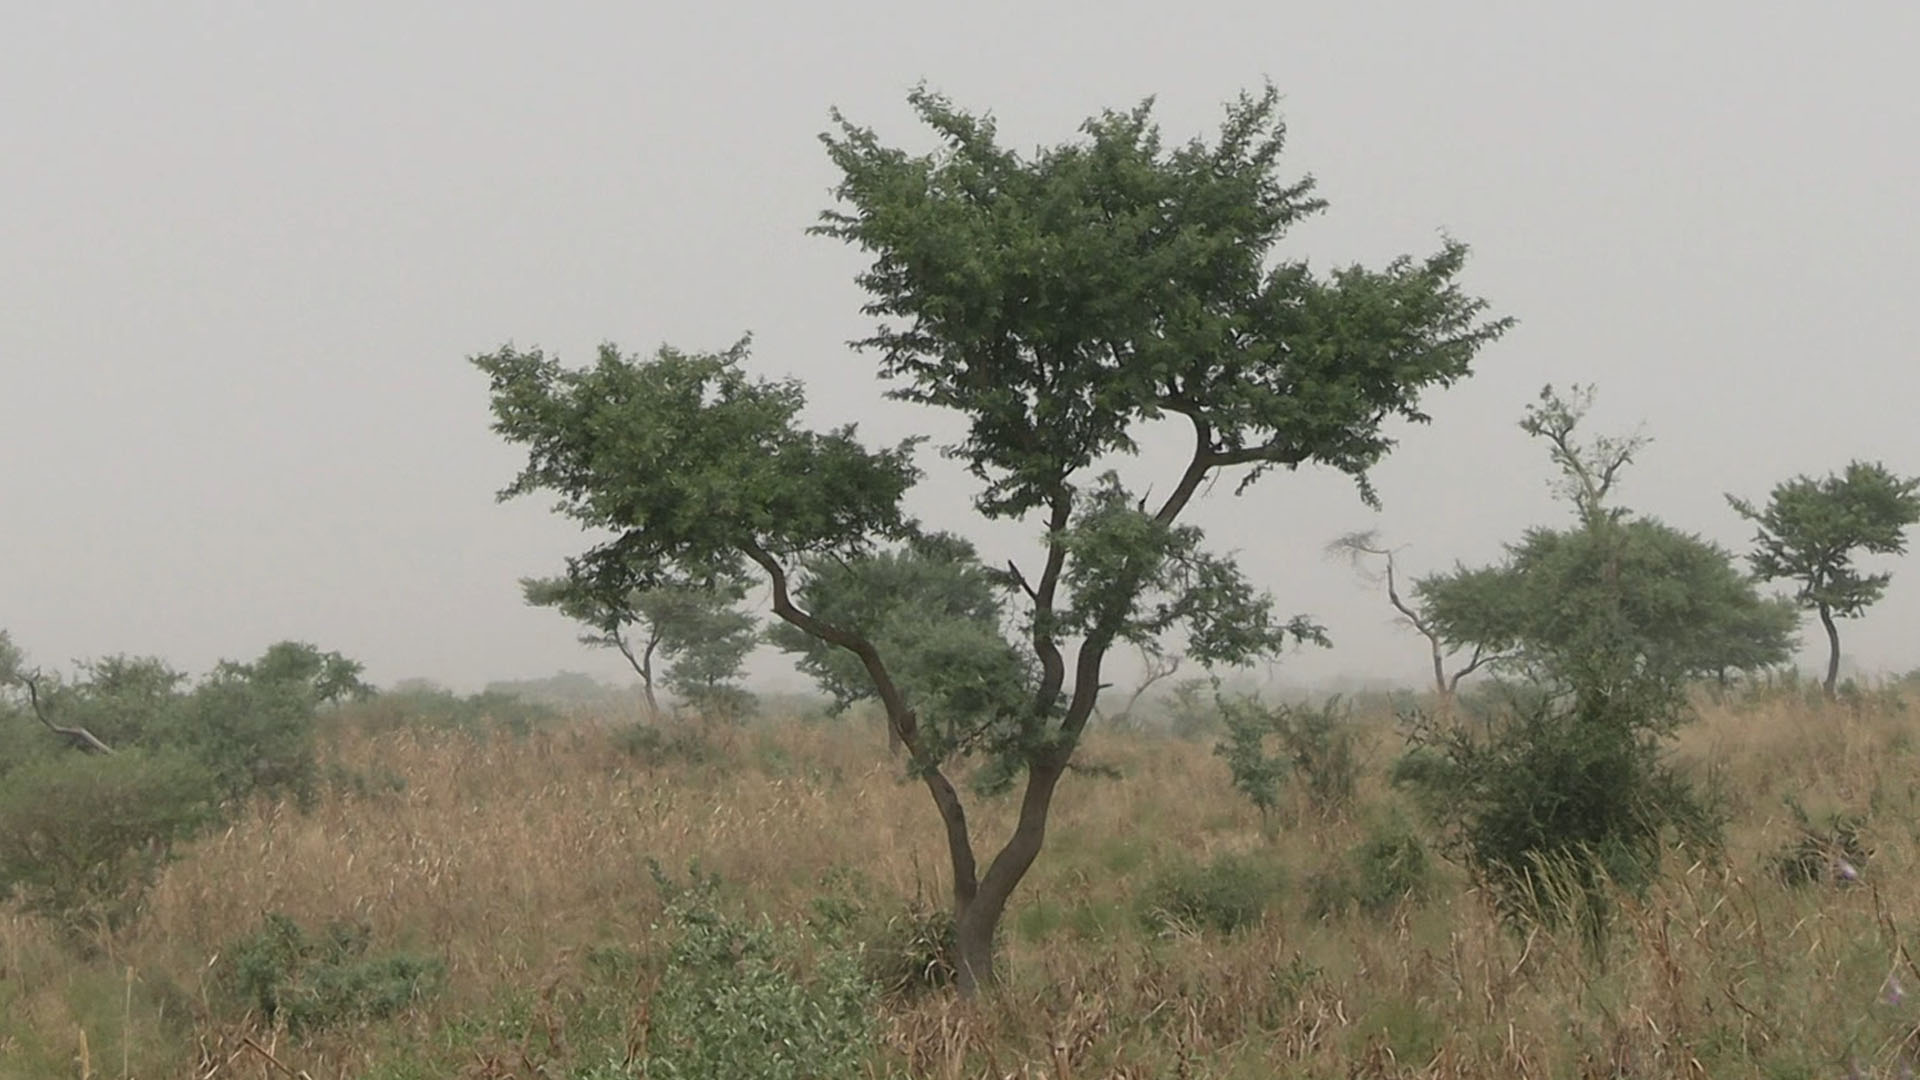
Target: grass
519 868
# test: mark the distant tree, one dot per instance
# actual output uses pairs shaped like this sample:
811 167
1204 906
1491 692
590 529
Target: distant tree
1059 303
1358 546
1607 621
1631 595
1810 531
688 638
15 674
330 677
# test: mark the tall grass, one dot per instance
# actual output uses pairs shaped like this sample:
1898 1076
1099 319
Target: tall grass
521 867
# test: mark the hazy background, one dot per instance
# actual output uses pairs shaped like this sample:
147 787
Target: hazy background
245 251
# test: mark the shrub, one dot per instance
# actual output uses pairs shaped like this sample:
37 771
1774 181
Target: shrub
1577 782
1388 866
1233 892
735 1001
314 981
82 837
667 744
1314 744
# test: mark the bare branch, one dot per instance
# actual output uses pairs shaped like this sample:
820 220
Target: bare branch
1159 666
80 737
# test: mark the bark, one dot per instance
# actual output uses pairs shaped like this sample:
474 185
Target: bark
1833 650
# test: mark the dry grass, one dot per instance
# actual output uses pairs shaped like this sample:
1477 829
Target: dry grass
511 860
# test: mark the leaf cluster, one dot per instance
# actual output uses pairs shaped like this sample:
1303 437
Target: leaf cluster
1810 531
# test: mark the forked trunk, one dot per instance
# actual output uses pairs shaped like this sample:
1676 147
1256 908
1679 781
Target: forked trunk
979 906
1833 650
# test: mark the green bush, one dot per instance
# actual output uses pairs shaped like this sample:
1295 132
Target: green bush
667 744
736 1001
435 708
82 836
1575 788
1315 745
1232 892
1388 866
315 981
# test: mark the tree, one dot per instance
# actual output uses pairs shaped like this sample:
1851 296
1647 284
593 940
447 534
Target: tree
1810 531
1617 597
1607 621
328 676
1359 545
1058 303
696 630
934 611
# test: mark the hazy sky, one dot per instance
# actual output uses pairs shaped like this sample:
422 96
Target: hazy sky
246 251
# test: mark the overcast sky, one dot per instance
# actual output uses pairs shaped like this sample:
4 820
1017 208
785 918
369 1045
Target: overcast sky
246 251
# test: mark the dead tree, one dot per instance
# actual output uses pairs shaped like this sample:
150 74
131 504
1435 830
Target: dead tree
1356 547
1159 666
78 737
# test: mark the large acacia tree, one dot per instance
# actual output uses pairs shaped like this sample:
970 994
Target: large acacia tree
1059 302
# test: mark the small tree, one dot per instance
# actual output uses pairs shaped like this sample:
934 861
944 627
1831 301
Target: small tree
1355 547
1629 595
1058 303
1608 620
690 638
328 677
1810 531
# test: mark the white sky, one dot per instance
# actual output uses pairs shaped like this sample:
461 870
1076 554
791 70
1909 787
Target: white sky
246 250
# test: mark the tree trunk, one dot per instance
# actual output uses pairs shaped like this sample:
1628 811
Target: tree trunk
977 912
1833 650
973 953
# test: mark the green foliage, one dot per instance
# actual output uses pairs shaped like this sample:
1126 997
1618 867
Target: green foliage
1561 779
313 981
690 462
1058 303
1614 599
1232 892
1316 745
256 736
1811 530
668 745
324 676
934 612
1388 866
736 1000
1564 788
1057 300
435 708
697 632
82 836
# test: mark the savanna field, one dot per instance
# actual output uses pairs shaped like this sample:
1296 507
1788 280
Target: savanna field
487 904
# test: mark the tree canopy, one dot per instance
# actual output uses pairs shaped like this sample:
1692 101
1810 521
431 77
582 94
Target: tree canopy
1059 302
690 638
1627 595
1810 532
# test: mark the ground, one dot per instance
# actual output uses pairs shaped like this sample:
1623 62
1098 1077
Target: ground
518 867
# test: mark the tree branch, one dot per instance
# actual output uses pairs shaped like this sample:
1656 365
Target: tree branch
1053 665
78 736
899 717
